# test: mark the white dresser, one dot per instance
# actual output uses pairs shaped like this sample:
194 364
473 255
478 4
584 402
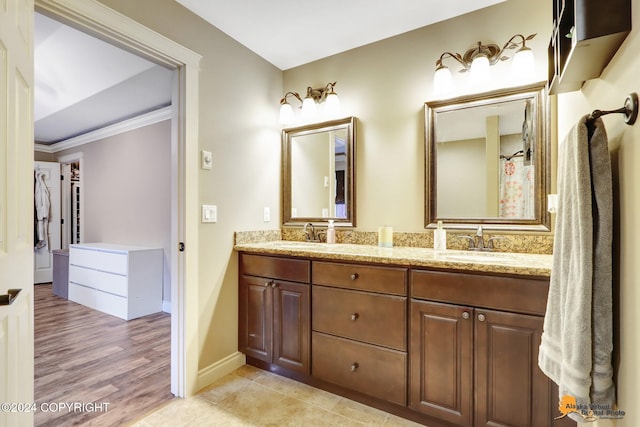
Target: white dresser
121 280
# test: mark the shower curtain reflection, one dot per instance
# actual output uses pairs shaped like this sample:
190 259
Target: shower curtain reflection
516 188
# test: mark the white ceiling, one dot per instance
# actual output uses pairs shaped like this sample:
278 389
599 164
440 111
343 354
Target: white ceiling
83 84
289 33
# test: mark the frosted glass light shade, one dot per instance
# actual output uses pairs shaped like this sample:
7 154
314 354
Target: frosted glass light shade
523 64
442 82
332 106
309 110
480 72
286 114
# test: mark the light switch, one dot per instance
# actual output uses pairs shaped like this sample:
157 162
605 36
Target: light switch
266 214
209 213
207 160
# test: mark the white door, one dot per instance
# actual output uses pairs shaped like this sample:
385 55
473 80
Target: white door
48 173
16 208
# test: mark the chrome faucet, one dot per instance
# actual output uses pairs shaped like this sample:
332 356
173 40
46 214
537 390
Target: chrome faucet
310 232
479 238
477 242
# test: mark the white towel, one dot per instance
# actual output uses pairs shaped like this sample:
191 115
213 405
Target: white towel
577 341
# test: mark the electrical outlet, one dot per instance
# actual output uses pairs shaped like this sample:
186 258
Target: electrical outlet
266 214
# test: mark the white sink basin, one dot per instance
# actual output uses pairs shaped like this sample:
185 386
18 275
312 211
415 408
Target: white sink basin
298 245
476 257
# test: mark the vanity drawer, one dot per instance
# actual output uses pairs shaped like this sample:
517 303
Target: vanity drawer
293 270
517 294
390 280
374 318
371 370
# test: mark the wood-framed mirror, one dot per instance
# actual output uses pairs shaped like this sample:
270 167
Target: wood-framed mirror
318 173
487 160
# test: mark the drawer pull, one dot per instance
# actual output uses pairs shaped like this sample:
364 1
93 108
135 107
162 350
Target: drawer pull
354 367
355 316
354 276
466 315
481 317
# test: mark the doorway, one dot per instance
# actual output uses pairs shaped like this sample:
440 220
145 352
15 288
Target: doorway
95 18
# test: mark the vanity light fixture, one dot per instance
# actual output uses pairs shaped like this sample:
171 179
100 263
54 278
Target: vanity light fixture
309 108
478 61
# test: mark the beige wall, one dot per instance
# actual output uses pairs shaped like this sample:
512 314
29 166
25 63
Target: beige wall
238 123
39 156
462 193
386 84
609 92
126 185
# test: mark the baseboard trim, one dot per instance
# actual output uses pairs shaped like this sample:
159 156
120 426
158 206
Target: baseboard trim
166 306
215 371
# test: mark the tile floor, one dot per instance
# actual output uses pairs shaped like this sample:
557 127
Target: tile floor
253 397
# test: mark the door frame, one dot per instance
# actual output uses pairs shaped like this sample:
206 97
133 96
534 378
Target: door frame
97 19
67 160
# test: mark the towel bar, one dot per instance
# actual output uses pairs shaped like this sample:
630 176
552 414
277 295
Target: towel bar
630 110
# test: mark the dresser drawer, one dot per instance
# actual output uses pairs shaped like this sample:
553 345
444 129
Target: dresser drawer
99 260
82 295
294 270
517 294
371 370
389 280
112 304
364 316
107 282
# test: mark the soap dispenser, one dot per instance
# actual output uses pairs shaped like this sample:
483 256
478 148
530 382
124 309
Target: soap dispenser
331 233
439 238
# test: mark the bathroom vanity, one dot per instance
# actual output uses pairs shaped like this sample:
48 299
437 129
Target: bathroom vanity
443 339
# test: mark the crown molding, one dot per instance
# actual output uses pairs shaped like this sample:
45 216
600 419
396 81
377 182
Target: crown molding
143 120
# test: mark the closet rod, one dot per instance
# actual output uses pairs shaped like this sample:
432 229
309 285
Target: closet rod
630 110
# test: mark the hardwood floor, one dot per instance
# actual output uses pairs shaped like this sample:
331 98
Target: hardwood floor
89 358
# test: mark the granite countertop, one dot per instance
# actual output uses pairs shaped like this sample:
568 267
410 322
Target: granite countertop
489 262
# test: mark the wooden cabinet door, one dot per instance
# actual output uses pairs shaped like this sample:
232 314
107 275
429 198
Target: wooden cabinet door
510 389
441 361
255 312
291 325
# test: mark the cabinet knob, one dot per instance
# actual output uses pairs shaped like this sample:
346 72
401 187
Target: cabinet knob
266 284
481 317
466 315
355 316
354 367
274 284
354 276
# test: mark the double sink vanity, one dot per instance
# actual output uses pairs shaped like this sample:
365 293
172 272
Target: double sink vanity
441 338
447 338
